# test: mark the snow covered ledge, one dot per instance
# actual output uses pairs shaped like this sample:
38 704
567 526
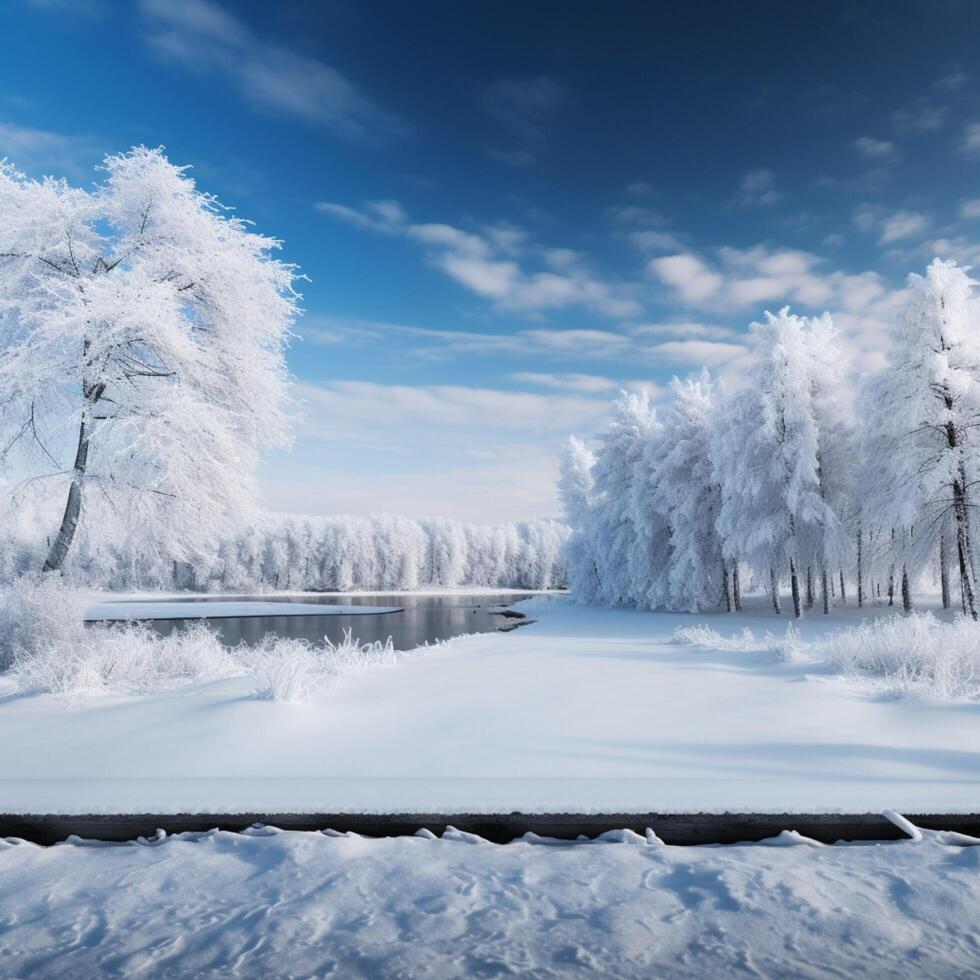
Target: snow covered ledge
127 610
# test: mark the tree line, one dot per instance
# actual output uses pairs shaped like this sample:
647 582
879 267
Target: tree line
839 488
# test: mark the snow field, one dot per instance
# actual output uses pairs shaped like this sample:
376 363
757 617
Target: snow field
268 903
586 710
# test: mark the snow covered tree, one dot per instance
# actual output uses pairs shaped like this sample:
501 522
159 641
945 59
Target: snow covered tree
838 455
767 460
143 332
922 437
576 492
685 490
632 552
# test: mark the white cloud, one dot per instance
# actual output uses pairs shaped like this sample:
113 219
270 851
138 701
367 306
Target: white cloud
952 81
348 407
587 383
875 149
869 182
890 226
634 214
694 281
655 241
758 187
203 36
486 264
682 330
970 209
710 353
760 278
639 188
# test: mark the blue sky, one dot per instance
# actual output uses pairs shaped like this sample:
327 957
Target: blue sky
508 211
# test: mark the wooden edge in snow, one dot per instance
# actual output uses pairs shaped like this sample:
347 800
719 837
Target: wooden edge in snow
677 828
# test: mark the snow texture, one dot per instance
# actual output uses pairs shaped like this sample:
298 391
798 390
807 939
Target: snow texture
588 709
267 903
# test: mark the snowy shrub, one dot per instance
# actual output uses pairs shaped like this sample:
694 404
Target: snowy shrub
39 612
789 647
709 639
912 655
124 659
50 650
296 671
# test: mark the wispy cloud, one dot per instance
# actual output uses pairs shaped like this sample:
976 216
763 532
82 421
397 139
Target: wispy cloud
588 383
921 117
37 151
90 9
875 149
890 226
486 262
683 330
522 105
970 140
758 187
710 353
202 36
952 81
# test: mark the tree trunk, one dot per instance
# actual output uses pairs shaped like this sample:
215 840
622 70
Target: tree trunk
794 582
891 586
809 587
843 594
724 586
73 507
906 593
860 578
823 586
963 547
774 588
736 591
944 571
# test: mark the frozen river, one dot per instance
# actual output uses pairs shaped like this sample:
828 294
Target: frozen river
419 619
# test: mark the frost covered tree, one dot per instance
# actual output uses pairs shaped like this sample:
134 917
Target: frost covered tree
142 330
767 459
632 552
838 455
576 492
685 490
923 435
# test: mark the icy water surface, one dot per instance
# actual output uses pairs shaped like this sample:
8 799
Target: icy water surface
423 619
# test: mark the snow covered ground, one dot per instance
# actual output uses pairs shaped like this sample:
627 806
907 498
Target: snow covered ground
291 904
588 709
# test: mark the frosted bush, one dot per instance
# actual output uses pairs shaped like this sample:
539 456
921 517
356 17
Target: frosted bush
912 655
125 659
50 650
709 639
296 671
789 647
38 612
